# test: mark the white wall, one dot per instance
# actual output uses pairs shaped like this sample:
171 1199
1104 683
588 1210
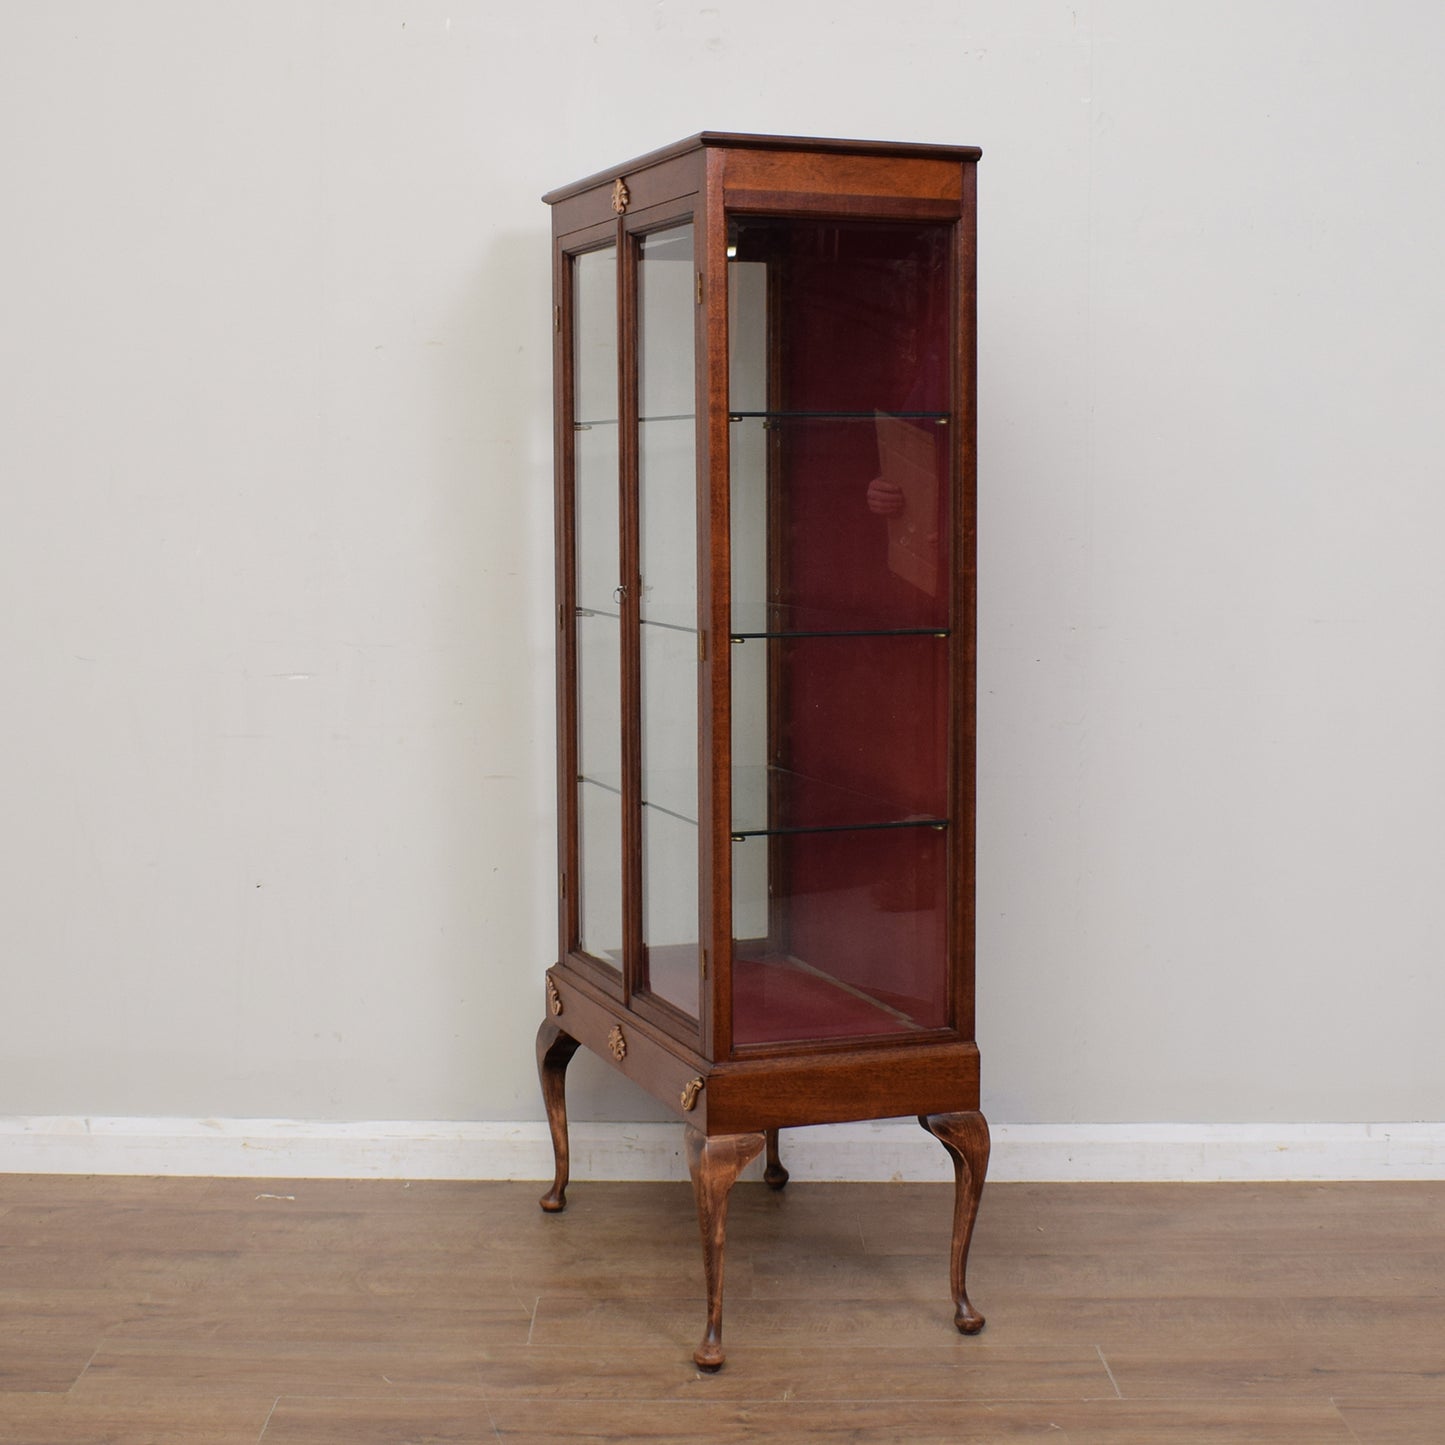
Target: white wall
275 760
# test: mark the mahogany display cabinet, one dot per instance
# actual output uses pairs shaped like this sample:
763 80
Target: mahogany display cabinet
764 412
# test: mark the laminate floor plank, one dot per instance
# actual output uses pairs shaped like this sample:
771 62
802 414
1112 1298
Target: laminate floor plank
102 1190
381 1422
843 1374
1116 1271
929 1423
636 1273
276 1228
574 1321
1394 1421
364 1323
269 1367
895 1422
56 1419
1288 1370
1202 1422
1254 1218
41 1365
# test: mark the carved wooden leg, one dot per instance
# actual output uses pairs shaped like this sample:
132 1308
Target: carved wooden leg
554 1053
965 1136
715 1165
774 1175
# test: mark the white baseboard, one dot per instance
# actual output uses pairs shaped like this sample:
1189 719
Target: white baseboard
886 1150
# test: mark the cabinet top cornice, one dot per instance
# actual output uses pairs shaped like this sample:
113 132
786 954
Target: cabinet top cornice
729 140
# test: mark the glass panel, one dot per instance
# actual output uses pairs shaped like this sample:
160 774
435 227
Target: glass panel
851 942
599 857
599 793
594 335
839 731
667 540
669 918
598 628
859 314
668 529
594 488
667 301
856 537
840 482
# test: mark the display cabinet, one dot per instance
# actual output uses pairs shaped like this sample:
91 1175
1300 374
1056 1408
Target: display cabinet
765 683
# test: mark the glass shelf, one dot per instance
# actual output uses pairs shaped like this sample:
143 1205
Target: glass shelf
608 782
683 623
871 415
682 626
769 802
586 424
840 631
773 802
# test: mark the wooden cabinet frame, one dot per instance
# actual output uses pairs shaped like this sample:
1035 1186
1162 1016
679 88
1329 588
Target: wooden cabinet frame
734 1090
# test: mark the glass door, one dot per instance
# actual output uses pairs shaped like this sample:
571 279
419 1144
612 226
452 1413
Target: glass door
841 477
634 669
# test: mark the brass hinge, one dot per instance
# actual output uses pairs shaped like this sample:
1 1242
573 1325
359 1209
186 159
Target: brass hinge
701 645
704 963
556 318
699 288
561 885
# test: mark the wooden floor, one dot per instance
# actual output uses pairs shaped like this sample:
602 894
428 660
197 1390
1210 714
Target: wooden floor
172 1310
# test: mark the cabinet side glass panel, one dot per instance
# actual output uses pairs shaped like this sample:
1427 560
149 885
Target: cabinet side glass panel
667 612
839 418
596 529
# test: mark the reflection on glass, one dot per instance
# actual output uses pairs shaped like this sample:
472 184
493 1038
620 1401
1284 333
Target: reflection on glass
598 682
857 541
667 540
840 472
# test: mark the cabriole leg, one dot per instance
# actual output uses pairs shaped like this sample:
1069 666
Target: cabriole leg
774 1175
554 1053
965 1136
715 1165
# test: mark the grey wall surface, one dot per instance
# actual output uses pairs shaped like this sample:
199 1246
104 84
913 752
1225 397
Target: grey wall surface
275 536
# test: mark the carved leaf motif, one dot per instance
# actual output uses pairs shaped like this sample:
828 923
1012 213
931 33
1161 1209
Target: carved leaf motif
617 1043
